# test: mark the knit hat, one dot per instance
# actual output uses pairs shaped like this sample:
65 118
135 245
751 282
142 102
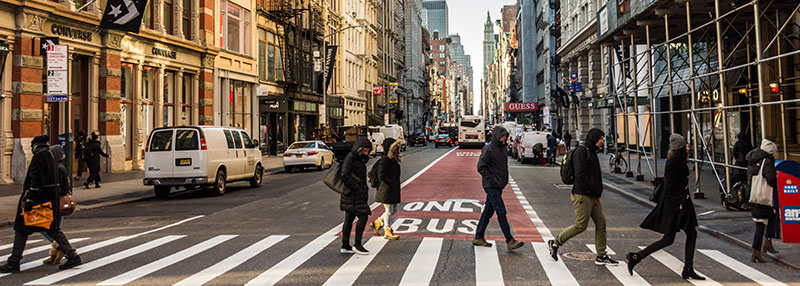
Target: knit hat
40 139
769 146
676 141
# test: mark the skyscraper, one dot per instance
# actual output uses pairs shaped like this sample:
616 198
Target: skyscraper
489 44
436 13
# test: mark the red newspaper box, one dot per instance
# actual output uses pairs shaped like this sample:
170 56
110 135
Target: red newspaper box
789 199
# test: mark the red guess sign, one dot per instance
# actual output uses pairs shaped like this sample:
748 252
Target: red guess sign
521 106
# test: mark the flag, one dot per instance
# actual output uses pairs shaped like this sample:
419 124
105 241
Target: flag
123 15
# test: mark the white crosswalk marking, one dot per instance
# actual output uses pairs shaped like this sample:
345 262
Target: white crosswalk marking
231 262
350 270
56 277
283 268
7 246
742 268
42 248
154 266
420 269
487 266
621 271
677 266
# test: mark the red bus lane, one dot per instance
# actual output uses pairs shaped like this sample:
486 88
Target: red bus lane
447 200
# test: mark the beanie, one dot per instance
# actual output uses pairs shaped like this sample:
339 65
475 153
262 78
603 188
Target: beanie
676 141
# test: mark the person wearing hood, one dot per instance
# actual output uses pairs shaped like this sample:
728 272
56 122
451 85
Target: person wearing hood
568 140
674 211
80 145
92 155
763 215
388 193
740 150
493 167
41 186
586 192
354 197
64 188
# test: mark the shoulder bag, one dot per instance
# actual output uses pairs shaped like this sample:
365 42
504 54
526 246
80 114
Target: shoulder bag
39 216
761 191
334 179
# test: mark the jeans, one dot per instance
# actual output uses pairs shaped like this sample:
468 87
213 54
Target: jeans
21 238
494 204
667 240
348 226
551 155
386 217
586 207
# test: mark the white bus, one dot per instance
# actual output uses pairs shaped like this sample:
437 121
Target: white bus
471 132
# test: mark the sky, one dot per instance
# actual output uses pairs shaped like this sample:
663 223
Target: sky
466 18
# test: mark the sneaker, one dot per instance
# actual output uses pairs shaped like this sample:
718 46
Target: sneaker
553 247
514 244
346 250
481 242
9 268
605 260
71 262
359 249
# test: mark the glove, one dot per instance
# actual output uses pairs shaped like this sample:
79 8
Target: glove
27 205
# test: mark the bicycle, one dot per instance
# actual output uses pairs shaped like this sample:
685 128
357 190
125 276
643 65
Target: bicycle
616 163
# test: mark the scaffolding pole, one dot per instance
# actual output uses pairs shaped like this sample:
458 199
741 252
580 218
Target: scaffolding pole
635 79
723 96
760 70
669 73
624 73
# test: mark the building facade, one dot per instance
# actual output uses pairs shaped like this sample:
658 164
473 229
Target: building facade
436 15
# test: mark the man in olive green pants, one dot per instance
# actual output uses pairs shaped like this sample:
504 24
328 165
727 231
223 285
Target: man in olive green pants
586 192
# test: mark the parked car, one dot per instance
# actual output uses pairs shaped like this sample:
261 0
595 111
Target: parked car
303 154
443 140
417 139
190 156
531 144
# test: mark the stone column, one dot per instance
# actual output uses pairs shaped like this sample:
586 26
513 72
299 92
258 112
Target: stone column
595 81
177 18
7 136
195 99
178 92
158 23
109 115
206 91
158 107
136 118
195 36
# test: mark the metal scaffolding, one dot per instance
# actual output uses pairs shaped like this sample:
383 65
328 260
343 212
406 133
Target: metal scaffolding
734 66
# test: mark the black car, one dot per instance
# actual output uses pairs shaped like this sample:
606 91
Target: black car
443 140
417 139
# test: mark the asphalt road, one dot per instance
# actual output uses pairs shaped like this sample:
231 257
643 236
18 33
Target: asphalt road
286 233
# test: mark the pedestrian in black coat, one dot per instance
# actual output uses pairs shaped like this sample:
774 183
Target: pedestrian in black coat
568 140
764 216
41 186
92 155
740 150
80 145
388 193
355 196
674 211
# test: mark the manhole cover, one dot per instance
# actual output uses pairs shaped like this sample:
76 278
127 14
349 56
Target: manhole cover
580 255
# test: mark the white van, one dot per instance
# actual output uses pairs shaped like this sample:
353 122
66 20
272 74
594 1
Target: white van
527 141
190 156
394 131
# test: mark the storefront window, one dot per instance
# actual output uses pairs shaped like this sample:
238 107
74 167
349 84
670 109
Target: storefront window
168 112
239 104
186 100
148 95
262 55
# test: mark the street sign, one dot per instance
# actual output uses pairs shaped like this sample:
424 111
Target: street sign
57 83
392 84
56 98
573 76
579 87
57 58
4 48
392 101
571 86
47 41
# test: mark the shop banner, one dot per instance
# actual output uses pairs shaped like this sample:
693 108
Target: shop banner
123 15
330 61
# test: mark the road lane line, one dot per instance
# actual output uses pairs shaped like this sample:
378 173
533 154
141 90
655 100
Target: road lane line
42 248
169 225
64 274
421 268
677 266
621 271
231 262
556 271
742 268
350 270
487 266
415 176
162 263
10 245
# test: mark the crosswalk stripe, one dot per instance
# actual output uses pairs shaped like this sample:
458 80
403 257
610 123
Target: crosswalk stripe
621 271
231 262
677 266
162 263
741 268
350 270
42 248
420 269
487 266
286 266
61 275
7 246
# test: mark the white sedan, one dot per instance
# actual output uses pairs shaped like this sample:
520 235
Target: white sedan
303 154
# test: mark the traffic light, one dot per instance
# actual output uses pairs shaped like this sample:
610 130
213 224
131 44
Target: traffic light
774 88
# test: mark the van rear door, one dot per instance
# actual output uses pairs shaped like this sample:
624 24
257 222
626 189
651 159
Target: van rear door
188 154
159 158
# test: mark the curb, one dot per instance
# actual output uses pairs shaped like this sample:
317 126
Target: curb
705 229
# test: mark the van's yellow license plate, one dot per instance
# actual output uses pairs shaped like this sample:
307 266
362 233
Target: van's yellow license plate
183 162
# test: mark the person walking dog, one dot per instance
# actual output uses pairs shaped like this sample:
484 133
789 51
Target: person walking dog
388 175
493 167
674 211
586 192
92 155
355 195
763 198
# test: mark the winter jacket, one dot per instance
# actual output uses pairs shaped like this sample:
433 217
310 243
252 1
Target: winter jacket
354 176
40 186
675 210
92 155
552 142
64 187
588 179
493 163
80 145
388 168
755 159
740 150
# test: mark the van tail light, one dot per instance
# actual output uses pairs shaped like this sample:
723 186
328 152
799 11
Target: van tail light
312 153
517 143
437 140
203 145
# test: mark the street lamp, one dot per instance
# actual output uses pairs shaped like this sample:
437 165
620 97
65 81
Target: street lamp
324 119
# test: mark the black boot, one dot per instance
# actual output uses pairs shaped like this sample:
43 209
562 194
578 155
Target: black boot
9 267
72 261
97 185
688 273
86 184
633 259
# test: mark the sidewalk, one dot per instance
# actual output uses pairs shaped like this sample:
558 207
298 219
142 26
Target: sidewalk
736 227
116 189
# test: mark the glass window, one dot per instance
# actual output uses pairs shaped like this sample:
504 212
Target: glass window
147 18
228 138
237 139
235 35
302 145
187 140
125 81
262 54
167 16
161 141
271 63
247 142
187 19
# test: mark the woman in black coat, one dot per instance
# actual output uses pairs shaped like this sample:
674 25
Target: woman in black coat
355 195
674 211
764 215
388 193
92 153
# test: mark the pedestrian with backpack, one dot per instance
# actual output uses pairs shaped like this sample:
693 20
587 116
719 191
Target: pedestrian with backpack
387 174
674 210
355 195
586 191
493 167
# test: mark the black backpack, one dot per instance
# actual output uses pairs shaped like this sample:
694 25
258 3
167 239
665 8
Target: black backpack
374 179
568 168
